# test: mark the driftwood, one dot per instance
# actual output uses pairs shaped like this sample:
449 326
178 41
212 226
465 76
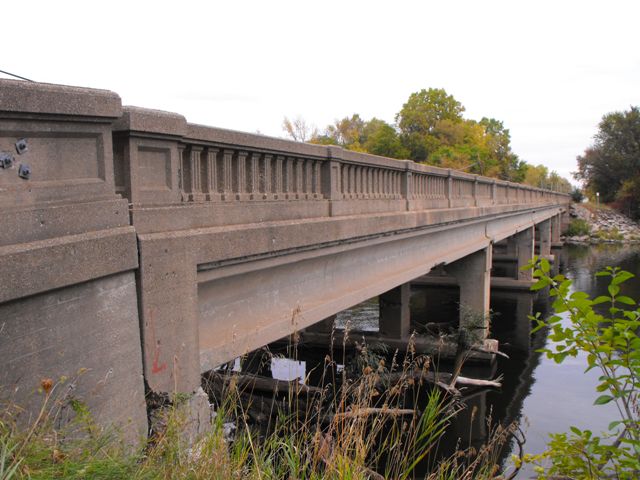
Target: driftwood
250 382
443 380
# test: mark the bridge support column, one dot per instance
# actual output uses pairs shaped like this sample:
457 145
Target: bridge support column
524 242
395 320
545 238
473 275
556 227
565 220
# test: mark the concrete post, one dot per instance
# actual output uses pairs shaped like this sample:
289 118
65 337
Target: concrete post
524 242
407 183
473 275
545 238
450 188
395 321
331 184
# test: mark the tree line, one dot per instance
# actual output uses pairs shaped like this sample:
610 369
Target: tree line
430 128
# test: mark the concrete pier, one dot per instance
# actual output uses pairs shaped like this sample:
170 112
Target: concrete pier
395 321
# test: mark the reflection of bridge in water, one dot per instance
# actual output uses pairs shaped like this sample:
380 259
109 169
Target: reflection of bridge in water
148 250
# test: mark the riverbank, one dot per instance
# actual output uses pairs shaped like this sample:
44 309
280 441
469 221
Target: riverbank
592 224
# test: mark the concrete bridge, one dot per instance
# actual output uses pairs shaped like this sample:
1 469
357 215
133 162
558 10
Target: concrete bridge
144 250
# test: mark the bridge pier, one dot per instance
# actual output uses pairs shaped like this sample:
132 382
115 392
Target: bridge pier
545 238
395 318
473 276
524 242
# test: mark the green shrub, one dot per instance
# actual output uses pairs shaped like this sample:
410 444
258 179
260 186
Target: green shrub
612 344
578 227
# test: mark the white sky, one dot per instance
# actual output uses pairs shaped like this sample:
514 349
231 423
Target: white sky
548 70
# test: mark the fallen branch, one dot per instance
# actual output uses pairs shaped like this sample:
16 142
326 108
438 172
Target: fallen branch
477 382
442 380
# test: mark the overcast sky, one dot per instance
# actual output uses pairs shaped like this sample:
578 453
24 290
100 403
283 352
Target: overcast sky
548 70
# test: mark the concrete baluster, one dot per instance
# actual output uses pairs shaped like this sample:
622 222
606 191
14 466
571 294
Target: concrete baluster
267 177
227 174
212 174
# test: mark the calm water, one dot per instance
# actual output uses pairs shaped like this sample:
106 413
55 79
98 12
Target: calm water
543 396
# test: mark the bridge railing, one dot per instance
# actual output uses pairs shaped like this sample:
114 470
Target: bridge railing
164 160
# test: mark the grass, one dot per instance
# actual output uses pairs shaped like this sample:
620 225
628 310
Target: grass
610 235
359 426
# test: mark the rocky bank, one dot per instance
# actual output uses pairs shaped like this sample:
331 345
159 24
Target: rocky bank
606 225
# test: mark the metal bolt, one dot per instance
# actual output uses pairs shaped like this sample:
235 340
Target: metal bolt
24 171
21 146
6 160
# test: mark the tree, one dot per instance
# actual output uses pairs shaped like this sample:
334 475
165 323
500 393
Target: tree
380 138
419 116
373 136
614 158
298 129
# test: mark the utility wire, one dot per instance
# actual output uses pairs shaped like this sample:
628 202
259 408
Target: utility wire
14 75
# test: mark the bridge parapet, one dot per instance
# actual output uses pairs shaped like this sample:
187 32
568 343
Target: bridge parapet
161 160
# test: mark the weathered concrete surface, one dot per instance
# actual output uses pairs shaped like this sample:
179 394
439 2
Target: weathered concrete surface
86 332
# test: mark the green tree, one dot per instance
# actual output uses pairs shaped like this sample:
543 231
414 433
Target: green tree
380 138
419 116
614 157
510 166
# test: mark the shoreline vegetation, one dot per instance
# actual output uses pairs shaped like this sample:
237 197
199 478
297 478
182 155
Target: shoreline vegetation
372 419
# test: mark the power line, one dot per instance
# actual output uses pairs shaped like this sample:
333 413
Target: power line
17 76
